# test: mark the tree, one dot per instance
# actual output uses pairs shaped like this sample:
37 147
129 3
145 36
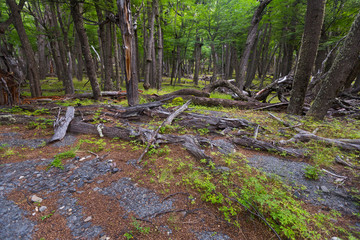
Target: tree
344 63
33 69
309 44
127 32
85 48
250 42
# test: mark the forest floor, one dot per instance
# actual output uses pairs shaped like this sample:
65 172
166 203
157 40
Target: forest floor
88 187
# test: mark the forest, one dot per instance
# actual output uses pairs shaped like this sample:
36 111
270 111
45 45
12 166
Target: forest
193 119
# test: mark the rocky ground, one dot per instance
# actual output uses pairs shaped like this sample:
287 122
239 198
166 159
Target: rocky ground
106 196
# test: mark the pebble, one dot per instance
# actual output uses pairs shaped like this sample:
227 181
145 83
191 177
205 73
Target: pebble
335 238
71 190
114 170
95 189
42 208
88 219
2 188
324 189
100 181
21 177
35 198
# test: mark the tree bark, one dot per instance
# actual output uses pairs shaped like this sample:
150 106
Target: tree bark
309 44
344 63
197 56
149 46
127 32
33 69
160 44
250 41
85 47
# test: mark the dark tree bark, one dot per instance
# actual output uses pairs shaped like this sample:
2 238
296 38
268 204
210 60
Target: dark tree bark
159 65
79 59
89 64
127 32
197 56
309 44
33 69
149 46
250 41
344 64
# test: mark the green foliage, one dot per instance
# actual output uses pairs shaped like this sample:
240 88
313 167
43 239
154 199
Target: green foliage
177 101
47 216
57 162
93 144
312 172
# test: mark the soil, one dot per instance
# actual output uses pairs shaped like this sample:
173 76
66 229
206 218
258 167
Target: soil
102 194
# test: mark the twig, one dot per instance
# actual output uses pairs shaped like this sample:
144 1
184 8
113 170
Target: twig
333 174
256 132
97 156
270 106
174 194
168 121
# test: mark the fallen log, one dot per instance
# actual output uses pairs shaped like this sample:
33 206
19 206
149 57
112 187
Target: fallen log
254 144
222 83
183 92
61 124
280 85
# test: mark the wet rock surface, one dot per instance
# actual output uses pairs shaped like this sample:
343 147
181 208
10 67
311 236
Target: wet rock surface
319 192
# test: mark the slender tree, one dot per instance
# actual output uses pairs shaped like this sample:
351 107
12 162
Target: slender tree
33 69
85 48
309 45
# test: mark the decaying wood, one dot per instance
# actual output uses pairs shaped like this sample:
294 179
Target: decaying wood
213 102
223 83
280 85
128 134
103 94
341 161
168 121
305 136
182 92
61 124
264 146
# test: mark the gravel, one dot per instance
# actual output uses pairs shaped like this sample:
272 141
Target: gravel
143 202
319 192
211 236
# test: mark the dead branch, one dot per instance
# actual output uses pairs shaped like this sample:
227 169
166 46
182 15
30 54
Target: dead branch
168 121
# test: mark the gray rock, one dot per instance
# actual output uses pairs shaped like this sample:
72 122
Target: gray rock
88 219
35 198
42 208
324 189
114 170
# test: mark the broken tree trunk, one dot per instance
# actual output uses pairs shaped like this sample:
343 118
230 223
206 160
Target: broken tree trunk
280 85
61 124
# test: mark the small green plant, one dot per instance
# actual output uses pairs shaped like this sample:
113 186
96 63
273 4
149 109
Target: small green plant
128 235
177 101
203 131
47 216
312 172
57 162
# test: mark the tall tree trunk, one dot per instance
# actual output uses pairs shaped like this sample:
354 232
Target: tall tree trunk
197 56
127 32
344 64
85 47
117 61
108 61
79 58
250 41
33 69
309 44
214 62
159 47
149 46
